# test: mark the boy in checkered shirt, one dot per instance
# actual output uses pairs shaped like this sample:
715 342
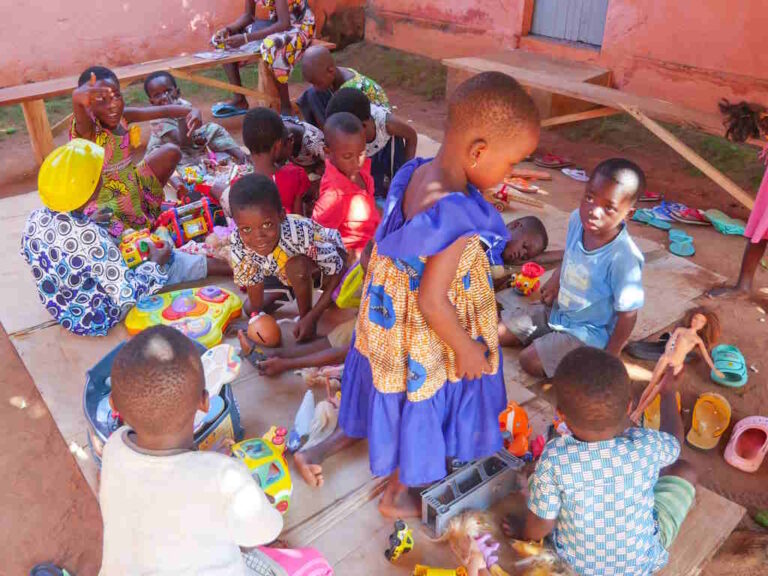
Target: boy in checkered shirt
612 496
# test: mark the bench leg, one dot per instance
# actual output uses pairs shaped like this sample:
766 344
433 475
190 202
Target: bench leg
267 84
39 129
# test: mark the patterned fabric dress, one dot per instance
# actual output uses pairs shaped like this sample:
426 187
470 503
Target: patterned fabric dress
282 50
131 191
369 87
400 389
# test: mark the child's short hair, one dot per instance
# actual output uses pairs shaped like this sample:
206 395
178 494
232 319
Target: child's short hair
254 190
159 74
341 123
262 128
158 380
593 389
743 120
535 227
100 72
350 100
492 101
624 172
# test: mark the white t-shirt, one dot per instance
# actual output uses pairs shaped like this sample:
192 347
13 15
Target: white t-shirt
182 513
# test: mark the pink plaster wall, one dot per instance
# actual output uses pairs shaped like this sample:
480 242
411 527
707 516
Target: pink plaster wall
690 51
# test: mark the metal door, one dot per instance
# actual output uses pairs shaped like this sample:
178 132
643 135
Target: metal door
574 20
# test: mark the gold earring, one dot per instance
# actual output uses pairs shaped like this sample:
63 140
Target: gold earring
474 164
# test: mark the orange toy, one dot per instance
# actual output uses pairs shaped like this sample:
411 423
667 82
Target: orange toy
264 331
514 425
528 279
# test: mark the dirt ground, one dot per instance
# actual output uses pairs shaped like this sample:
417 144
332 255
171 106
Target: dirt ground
61 518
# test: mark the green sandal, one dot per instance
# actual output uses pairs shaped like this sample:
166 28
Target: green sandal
730 361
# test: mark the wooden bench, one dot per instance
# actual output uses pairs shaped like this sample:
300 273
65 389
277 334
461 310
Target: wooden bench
32 96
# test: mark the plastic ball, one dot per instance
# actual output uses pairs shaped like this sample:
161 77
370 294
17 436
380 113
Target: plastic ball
263 330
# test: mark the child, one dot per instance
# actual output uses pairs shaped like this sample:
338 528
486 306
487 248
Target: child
346 200
305 145
612 496
168 508
390 142
593 298
267 242
161 89
748 121
320 70
81 277
133 192
527 241
423 381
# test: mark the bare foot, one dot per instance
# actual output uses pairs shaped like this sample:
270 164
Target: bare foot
736 292
399 502
311 472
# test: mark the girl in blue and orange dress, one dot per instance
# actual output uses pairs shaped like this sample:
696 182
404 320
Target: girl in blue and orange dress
423 380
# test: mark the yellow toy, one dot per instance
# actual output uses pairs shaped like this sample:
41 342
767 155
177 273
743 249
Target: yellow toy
420 570
134 246
200 313
400 541
267 464
528 279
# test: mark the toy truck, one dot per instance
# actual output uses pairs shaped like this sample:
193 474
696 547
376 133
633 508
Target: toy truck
528 279
400 541
134 246
193 221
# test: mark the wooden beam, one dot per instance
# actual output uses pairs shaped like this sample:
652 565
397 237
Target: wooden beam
686 152
579 116
62 124
260 97
39 129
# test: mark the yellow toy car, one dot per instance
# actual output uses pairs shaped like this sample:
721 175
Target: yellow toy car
268 467
528 279
420 570
400 541
134 246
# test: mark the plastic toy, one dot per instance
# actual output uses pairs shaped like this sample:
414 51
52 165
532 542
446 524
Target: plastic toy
515 429
222 427
748 444
263 330
471 542
302 423
193 221
268 467
134 246
420 570
400 541
537 446
270 561
684 339
476 486
528 279
711 417
201 313
349 290
732 366
221 365
652 414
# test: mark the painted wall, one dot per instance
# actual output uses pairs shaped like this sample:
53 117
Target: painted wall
689 51
42 39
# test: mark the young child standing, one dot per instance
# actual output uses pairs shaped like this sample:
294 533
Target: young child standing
167 508
593 298
346 202
612 496
132 192
423 381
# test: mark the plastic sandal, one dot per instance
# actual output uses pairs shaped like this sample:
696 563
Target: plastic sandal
576 174
683 248
730 361
225 110
690 216
724 223
748 444
711 417
646 216
652 414
649 196
552 161
48 569
677 235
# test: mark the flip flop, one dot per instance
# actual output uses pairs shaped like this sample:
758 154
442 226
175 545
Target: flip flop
678 235
689 216
652 350
646 216
652 414
48 569
552 161
226 110
711 418
748 444
730 361
724 223
522 185
576 174
680 243
649 196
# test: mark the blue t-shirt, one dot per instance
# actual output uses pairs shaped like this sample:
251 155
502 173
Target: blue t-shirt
601 494
595 285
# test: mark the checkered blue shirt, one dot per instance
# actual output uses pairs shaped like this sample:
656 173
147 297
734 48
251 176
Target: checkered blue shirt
601 494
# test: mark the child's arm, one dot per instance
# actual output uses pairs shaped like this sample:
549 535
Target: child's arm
439 273
707 357
282 24
305 327
255 298
326 211
551 288
238 154
81 104
625 323
144 114
244 20
400 129
328 357
537 528
670 420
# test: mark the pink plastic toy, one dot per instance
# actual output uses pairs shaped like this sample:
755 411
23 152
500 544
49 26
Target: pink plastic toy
299 561
537 446
748 444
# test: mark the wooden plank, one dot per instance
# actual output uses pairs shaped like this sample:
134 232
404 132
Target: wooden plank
579 116
708 525
259 96
686 152
38 128
62 124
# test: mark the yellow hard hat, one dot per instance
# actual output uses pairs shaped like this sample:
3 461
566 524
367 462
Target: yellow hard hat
69 175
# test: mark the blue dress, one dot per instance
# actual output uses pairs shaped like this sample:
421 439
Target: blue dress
400 389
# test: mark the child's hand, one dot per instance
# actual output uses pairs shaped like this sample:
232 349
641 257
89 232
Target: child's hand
88 93
221 35
102 216
272 366
194 121
472 360
235 41
550 290
305 329
160 255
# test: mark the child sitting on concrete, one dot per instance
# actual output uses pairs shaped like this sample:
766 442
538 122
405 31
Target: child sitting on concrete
320 70
162 90
269 243
346 201
81 276
593 298
612 496
168 508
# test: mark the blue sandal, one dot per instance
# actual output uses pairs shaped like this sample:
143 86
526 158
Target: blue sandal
646 216
681 243
730 361
226 110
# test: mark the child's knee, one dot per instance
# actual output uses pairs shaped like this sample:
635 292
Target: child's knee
530 361
682 469
171 152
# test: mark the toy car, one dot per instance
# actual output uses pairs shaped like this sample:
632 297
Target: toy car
193 221
420 570
400 541
134 246
268 467
528 279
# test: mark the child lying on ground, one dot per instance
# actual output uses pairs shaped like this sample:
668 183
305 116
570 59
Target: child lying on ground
132 192
81 276
161 89
612 496
346 202
167 508
383 132
320 70
593 298
267 243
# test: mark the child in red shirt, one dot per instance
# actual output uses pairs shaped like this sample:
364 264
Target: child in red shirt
346 201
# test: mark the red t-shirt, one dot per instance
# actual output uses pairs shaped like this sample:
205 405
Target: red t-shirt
292 183
346 207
